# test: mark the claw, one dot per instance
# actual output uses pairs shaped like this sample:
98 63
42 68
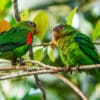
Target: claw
77 67
14 62
70 71
21 62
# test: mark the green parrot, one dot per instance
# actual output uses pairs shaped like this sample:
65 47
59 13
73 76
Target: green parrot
15 42
75 48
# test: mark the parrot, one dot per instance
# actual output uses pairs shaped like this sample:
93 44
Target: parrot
16 41
75 48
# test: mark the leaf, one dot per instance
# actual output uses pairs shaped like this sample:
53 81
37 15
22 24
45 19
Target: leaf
24 15
71 16
96 32
38 53
41 20
4 4
50 53
4 26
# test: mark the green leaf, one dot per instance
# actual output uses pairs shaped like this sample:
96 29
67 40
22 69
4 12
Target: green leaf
96 32
41 19
71 16
24 15
50 53
4 8
3 4
38 53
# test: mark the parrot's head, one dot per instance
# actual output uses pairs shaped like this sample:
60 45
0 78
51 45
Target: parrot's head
62 30
29 25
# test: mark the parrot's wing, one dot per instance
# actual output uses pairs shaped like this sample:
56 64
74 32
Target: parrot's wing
12 39
86 45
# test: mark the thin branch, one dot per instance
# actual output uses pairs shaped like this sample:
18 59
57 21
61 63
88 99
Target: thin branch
23 68
37 80
20 74
55 68
96 43
48 69
14 68
50 43
72 86
38 83
42 44
73 68
15 4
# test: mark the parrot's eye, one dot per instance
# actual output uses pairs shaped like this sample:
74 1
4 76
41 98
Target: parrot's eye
58 28
32 24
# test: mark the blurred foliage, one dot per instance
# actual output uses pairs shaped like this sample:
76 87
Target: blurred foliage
4 7
24 15
70 17
96 32
47 14
41 19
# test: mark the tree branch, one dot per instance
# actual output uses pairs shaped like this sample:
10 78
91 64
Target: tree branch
50 43
15 4
38 83
96 43
42 44
42 69
37 80
71 85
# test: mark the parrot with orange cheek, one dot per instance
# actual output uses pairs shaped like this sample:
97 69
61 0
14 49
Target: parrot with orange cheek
15 42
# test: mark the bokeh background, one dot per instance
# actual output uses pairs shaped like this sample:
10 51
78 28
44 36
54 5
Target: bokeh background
85 20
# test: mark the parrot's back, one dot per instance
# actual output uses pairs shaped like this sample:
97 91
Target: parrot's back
78 50
75 48
14 42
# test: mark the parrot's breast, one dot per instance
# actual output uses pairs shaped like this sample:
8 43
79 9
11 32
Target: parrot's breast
29 38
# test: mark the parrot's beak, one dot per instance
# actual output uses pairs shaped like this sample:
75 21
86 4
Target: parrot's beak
56 35
35 31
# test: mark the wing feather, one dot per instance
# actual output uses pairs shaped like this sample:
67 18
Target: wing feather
12 39
86 45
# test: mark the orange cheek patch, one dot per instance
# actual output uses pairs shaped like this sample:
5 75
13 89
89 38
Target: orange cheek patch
4 26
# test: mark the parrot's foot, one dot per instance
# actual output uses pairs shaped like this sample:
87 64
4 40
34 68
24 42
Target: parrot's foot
14 62
21 62
77 67
69 69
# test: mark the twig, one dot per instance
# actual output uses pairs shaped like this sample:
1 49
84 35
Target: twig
15 3
14 68
56 68
37 80
42 44
51 69
20 74
73 68
73 86
40 86
50 43
96 43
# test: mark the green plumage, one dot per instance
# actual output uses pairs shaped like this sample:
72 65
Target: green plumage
13 43
75 48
